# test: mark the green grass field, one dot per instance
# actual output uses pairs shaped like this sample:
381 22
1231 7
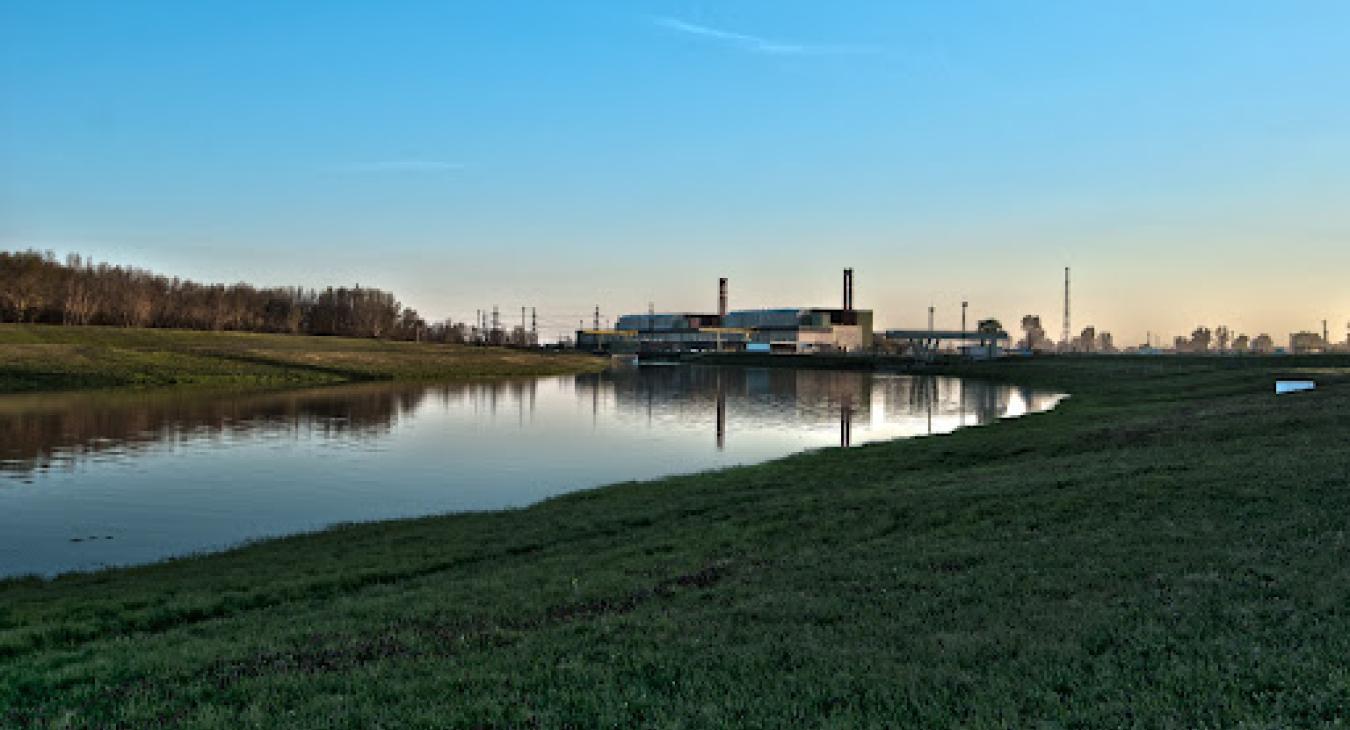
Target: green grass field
1168 548
44 357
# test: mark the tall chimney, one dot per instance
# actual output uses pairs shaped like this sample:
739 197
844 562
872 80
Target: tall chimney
848 290
722 297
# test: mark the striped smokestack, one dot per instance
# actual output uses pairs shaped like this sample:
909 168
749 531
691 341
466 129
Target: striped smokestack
722 297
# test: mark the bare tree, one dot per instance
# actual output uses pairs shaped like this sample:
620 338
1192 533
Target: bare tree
1223 335
1200 339
1033 333
1087 340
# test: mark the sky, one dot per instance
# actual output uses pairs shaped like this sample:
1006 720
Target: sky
1189 160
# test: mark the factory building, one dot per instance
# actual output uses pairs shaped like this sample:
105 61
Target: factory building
803 330
613 341
791 330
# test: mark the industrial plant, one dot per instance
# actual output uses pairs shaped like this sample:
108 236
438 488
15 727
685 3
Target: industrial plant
848 330
783 329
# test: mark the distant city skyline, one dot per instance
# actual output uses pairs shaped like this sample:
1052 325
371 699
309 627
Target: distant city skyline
1188 161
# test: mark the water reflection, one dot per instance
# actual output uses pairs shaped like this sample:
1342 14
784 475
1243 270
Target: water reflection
756 399
155 474
39 432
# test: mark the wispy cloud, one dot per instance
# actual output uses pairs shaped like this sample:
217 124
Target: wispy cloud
758 44
399 166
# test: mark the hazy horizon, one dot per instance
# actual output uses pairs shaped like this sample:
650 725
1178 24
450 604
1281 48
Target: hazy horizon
1187 162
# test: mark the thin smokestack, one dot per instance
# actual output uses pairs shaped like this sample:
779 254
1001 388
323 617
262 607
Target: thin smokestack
1064 333
722 297
848 290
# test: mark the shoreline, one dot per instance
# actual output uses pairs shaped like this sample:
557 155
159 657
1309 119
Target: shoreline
55 358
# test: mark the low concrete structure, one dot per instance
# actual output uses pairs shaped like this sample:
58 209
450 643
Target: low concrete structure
980 344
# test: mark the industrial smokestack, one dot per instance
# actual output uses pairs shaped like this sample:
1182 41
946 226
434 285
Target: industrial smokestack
848 290
1064 333
722 297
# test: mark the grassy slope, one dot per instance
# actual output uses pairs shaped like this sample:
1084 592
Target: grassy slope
1167 549
40 357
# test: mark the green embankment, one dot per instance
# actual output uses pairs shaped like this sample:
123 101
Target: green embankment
43 357
1167 549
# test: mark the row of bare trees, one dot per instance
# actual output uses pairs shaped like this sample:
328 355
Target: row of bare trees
1203 340
36 287
1222 339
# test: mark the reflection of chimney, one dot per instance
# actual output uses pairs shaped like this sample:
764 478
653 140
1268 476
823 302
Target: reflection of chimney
722 297
848 290
846 422
721 416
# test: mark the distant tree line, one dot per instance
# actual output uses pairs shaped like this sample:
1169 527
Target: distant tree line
36 287
1221 340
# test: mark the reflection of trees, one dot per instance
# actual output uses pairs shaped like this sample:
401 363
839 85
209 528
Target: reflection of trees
39 431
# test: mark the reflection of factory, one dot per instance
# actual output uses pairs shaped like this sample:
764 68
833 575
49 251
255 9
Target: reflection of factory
861 406
794 330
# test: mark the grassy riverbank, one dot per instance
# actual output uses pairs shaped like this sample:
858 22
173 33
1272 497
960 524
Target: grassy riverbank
44 357
1167 549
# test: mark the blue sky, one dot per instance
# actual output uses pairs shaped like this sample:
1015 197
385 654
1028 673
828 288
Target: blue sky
1188 159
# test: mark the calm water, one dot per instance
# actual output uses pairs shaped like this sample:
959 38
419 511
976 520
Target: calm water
94 479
